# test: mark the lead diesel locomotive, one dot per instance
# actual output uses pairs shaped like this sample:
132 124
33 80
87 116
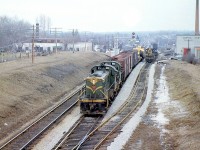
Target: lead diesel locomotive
105 81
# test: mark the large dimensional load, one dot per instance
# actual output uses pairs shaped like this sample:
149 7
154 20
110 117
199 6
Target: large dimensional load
105 81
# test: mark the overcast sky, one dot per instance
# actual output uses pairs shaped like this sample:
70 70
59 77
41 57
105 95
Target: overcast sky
106 15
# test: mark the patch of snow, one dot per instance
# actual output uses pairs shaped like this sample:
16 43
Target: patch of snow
160 118
52 138
179 109
162 93
162 99
125 91
129 128
5 124
114 118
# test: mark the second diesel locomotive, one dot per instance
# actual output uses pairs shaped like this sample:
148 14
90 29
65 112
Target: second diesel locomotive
105 81
149 55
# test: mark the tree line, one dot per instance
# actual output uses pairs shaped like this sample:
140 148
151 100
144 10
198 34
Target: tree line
13 30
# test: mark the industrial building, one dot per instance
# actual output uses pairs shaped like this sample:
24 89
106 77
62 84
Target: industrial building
190 44
185 44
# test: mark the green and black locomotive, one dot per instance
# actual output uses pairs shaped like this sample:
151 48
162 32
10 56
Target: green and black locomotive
101 88
105 81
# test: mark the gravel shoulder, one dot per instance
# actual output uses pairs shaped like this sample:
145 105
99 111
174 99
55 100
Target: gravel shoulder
28 89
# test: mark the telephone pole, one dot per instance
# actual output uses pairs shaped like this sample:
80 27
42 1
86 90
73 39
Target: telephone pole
33 38
55 31
73 33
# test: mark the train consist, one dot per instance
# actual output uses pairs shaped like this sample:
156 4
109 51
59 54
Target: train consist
105 81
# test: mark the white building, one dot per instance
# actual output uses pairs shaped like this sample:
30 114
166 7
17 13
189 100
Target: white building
80 46
183 43
43 46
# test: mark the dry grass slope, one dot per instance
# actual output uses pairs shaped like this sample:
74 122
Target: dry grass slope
28 89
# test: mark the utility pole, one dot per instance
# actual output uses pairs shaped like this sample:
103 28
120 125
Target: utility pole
73 33
56 39
55 30
188 39
86 46
189 44
85 41
33 38
116 41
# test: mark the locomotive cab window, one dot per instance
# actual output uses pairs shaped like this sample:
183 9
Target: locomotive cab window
107 68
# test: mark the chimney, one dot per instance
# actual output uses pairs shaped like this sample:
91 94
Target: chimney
197 18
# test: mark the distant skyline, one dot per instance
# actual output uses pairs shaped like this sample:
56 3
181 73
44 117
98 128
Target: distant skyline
106 15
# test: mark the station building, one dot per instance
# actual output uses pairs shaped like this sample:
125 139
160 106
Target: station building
186 44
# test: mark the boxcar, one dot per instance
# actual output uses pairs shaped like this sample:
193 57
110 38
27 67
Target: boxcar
126 61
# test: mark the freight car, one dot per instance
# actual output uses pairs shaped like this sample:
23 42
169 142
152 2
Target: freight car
105 81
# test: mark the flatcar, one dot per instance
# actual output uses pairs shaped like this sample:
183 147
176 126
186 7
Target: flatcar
105 81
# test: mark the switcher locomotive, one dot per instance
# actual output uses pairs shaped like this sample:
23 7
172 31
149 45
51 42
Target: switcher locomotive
105 81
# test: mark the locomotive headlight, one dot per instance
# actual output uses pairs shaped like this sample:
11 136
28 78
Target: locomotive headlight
93 81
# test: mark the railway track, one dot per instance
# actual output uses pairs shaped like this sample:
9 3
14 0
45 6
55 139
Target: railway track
78 133
26 137
103 134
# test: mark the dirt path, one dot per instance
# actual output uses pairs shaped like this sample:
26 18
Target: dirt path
28 89
172 120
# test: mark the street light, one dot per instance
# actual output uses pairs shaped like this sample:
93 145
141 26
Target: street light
33 51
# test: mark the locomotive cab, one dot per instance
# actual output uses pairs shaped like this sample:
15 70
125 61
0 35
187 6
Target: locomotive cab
99 90
94 100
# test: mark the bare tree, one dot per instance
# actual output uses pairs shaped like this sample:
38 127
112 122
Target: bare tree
45 25
12 31
48 24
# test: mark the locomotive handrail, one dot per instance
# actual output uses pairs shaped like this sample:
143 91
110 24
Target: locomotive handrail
110 86
81 94
105 97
